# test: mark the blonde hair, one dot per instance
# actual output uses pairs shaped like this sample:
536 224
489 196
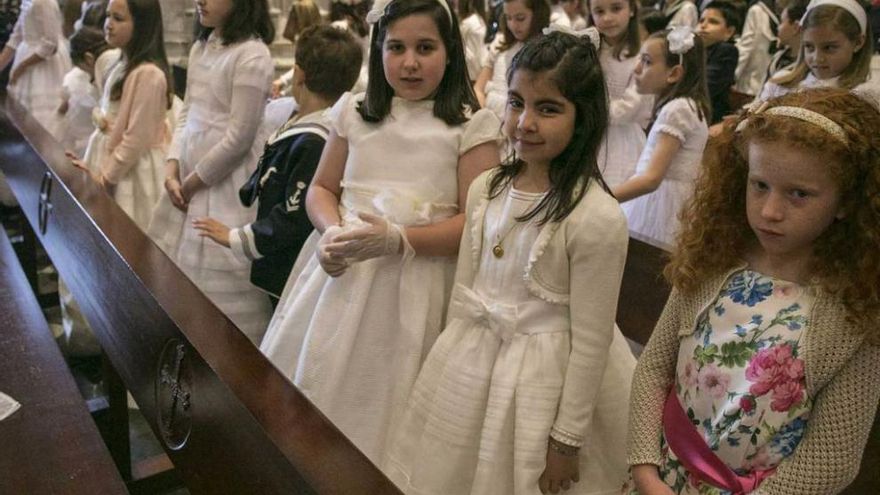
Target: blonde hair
838 19
715 231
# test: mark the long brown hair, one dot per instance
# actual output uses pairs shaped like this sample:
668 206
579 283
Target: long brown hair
540 19
147 45
715 230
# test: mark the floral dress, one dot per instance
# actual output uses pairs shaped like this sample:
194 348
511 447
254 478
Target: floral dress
741 379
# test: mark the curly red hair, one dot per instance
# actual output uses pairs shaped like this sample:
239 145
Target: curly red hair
715 231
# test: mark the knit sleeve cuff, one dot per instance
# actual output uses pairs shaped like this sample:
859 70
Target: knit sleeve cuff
565 437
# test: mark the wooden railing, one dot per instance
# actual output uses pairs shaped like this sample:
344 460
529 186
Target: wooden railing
228 420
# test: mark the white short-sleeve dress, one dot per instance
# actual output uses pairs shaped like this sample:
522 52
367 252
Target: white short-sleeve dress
653 217
496 88
354 344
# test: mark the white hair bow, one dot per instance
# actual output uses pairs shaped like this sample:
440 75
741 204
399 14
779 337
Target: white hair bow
681 39
590 32
375 14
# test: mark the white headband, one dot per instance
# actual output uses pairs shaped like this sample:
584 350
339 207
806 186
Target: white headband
851 6
680 39
815 118
378 11
590 32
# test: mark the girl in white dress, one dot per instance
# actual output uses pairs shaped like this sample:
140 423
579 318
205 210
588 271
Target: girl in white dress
762 375
367 296
525 390
80 96
214 151
837 33
472 23
126 152
618 22
39 56
671 67
523 19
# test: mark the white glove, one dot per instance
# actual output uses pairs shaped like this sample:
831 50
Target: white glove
378 237
333 264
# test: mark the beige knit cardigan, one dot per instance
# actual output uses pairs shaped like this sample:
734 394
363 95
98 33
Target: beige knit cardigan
842 373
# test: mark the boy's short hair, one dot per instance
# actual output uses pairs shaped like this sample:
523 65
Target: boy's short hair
330 58
729 12
796 9
652 19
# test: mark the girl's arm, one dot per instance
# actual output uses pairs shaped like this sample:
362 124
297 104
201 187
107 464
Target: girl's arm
828 457
443 238
250 87
146 92
648 181
322 198
480 85
655 373
596 248
631 107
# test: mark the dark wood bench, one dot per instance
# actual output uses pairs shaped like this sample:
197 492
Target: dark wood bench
51 444
228 420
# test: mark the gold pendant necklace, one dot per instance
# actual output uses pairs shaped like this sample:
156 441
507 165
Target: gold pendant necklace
498 251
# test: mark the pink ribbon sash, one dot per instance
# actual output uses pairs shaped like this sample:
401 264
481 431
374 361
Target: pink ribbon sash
689 446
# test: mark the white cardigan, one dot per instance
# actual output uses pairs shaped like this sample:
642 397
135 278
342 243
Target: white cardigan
577 262
754 49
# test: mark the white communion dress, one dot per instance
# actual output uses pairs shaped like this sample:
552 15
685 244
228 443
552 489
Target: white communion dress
354 344
227 88
629 114
38 31
653 218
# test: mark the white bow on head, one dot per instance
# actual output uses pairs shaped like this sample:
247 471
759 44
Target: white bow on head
681 39
591 32
375 14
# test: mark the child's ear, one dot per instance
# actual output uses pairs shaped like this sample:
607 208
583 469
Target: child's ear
299 75
731 30
859 44
674 74
89 58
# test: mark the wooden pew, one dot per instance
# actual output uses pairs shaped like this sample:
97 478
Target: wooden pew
228 420
51 444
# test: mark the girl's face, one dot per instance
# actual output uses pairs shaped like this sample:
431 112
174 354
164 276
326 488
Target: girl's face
611 17
414 57
827 51
652 74
789 29
213 13
119 25
518 18
791 198
570 7
539 120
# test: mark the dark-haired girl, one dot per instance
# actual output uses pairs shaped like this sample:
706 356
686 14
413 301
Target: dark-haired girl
367 297
525 390
215 150
671 67
126 152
